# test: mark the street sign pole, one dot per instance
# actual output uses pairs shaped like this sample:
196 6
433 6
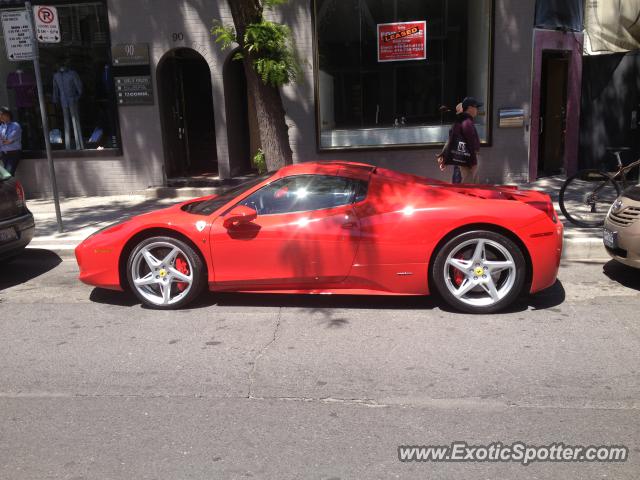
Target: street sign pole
43 113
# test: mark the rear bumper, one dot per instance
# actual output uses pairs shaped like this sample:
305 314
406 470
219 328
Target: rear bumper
545 248
24 226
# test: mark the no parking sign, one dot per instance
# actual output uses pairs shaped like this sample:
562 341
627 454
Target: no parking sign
47 24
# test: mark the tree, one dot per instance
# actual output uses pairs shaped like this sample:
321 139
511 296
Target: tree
269 63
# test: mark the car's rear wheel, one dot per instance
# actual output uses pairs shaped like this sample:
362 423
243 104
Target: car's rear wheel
479 271
165 273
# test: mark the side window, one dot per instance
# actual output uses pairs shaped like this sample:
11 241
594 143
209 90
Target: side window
361 189
303 193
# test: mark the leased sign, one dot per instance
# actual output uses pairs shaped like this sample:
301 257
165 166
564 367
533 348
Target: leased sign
402 41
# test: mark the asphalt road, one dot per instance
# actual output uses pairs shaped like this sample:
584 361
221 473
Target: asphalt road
92 386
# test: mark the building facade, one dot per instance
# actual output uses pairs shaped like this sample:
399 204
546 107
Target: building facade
366 93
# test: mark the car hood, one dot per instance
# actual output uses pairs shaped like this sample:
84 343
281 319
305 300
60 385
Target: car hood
632 193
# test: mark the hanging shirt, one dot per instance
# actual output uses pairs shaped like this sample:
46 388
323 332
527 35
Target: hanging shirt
67 87
24 84
13 132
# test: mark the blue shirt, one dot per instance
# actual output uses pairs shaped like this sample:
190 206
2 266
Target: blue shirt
13 132
67 87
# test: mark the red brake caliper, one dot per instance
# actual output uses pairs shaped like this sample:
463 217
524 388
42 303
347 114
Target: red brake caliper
182 267
458 276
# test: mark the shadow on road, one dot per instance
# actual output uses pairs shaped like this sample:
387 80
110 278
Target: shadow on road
322 301
113 297
548 298
624 275
30 264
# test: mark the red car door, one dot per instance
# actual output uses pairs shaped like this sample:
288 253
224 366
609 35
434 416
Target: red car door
305 235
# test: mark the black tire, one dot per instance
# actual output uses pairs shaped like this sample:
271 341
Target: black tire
441 273
581 204
186 253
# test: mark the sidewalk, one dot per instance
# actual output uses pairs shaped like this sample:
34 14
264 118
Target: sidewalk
580 244
84 215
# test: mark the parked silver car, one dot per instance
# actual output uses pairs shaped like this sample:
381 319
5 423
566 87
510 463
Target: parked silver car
621 234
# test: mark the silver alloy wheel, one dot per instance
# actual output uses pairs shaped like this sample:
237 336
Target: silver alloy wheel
156 280
484 282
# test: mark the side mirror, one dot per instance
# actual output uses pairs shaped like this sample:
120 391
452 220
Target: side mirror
239 215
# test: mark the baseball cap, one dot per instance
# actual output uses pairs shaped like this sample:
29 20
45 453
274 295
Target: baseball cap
471 102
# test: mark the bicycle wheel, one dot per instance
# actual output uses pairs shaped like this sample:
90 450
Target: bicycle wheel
586 197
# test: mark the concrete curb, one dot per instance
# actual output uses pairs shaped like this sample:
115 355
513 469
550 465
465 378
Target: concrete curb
584 249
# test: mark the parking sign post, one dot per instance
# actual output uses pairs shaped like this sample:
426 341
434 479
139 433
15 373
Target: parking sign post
43 113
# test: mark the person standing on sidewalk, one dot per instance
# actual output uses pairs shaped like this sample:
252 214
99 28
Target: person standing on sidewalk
465 128
10 141
457 175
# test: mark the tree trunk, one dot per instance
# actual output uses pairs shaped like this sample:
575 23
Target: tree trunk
273 130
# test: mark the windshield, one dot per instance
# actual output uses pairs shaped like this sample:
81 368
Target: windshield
4 175
209 206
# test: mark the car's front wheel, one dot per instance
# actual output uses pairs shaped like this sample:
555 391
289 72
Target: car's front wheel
165 273
479 271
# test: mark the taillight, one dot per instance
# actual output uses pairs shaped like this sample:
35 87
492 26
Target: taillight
20 194
546 207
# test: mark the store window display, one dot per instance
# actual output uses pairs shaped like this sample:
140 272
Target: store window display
390 72
78 85
67 90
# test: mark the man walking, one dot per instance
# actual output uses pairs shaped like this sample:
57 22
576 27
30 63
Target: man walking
466 128
10 141
457 175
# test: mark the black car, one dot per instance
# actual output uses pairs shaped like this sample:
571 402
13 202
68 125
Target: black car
16 221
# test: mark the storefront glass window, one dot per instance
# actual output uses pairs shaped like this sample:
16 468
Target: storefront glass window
78 83
390 72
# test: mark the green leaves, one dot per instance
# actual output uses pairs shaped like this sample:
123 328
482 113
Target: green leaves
260 162
266 44
225 35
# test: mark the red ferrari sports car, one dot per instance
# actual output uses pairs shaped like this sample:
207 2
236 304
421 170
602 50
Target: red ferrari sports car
335 227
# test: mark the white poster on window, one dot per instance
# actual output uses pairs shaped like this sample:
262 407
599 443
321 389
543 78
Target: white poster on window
17 35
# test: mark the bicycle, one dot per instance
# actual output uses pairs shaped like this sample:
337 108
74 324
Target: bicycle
585 198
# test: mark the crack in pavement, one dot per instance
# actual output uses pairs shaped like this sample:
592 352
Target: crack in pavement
262 352
469 404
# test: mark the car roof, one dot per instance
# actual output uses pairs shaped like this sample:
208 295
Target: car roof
332 167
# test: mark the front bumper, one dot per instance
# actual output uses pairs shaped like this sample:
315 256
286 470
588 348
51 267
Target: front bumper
98 263
25 227
628 243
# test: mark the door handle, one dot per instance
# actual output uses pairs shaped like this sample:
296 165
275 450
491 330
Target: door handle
349 225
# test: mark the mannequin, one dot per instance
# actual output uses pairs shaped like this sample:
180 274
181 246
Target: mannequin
67 90
23 83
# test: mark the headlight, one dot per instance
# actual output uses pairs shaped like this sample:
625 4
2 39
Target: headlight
615 206
107 227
